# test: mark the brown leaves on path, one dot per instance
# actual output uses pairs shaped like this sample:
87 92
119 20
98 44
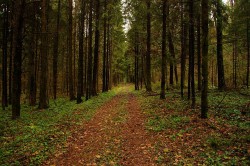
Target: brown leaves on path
138 144
116 135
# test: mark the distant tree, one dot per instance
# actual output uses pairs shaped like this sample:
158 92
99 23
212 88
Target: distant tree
18 21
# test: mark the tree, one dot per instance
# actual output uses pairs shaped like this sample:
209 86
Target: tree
183 49
96 51
191 50
55 50
43 97
70 31
221 77
89 73
164 55
80 60
136 49
204 89
5 55
32 74
104 65
19 7
198 21
148 55
248 56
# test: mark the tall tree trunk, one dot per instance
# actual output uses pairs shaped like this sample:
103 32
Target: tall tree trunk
89 74
19 7
221 79
148 55
235 60
5 56
70 56
55 50
248 56
173 67
199 48
80 60
110 62
191 50
164 54
204 89
104 50
43 98
11 52
136 60
32 76
108 53
96 51
183 51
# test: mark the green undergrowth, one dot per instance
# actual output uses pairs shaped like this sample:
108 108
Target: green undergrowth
222 139
38 133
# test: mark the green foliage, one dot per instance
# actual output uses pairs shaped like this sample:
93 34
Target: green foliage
38 133
216 141
158 123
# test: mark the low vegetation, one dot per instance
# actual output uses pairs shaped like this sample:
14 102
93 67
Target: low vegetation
39 133
184 138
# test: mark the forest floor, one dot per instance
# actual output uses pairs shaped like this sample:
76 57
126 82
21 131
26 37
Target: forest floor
125 127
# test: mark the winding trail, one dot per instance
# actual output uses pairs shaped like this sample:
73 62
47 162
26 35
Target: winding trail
116 135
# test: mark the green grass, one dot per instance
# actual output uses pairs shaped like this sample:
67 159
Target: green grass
38 133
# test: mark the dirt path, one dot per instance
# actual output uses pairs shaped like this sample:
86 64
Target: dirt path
115 136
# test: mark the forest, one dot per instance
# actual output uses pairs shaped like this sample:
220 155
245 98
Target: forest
124 82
